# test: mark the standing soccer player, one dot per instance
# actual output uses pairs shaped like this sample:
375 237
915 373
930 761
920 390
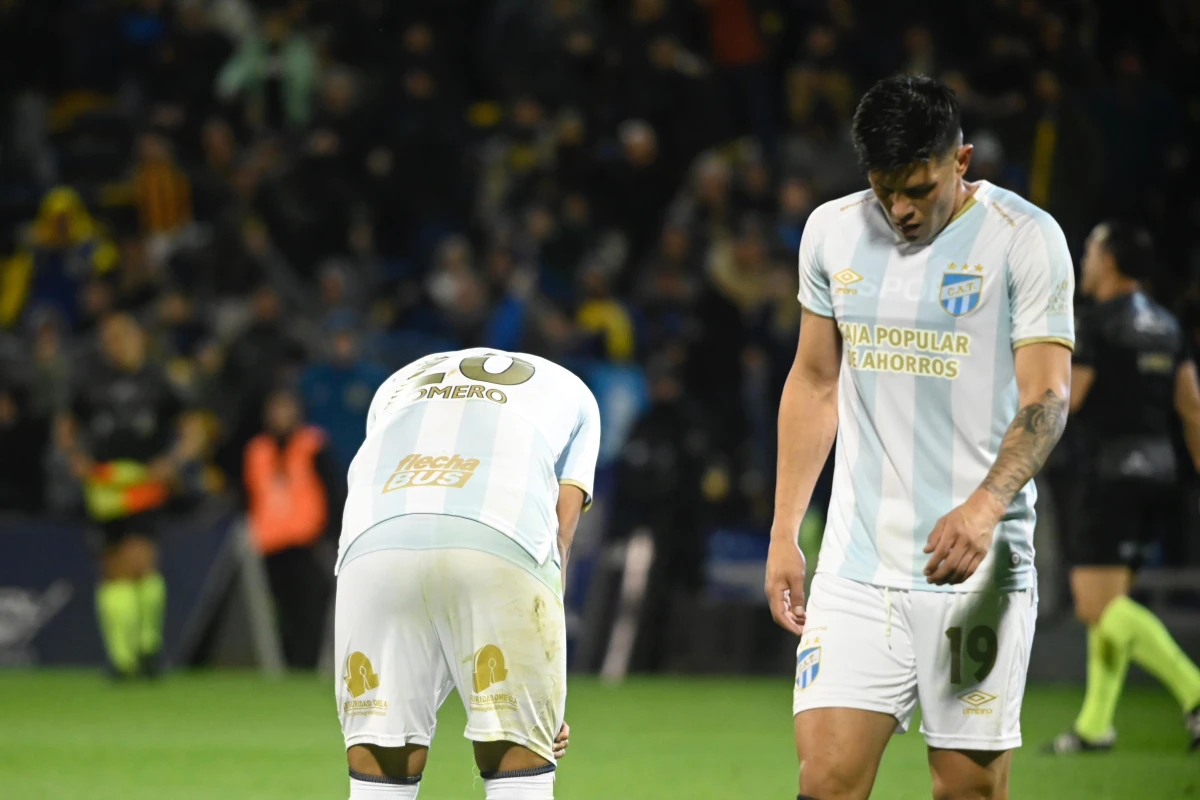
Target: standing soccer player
462 505
936 345
1133 375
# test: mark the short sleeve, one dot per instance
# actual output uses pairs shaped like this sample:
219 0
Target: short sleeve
814 281
1041 286
577 464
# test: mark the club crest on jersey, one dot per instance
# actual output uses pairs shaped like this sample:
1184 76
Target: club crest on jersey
962 288
808 666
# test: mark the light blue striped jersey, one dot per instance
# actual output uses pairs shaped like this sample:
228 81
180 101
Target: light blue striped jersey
480 434
927 387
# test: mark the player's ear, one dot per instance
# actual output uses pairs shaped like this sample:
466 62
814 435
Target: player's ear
962 159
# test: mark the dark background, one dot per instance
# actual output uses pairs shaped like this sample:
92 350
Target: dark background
620 186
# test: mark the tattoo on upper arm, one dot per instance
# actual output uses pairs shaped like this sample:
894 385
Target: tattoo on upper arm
1032 435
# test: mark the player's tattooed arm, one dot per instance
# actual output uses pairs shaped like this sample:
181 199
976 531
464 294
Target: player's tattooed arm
1032 435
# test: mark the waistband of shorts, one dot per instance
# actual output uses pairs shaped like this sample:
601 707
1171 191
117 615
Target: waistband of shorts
442 531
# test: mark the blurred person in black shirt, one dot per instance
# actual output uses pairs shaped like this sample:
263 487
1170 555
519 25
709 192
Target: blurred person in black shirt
1132 375
126 442
663 483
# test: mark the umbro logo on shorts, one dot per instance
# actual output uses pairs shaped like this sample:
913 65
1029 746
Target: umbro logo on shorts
975 700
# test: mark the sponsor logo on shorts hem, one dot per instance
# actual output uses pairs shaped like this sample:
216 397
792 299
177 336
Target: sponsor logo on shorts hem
501 701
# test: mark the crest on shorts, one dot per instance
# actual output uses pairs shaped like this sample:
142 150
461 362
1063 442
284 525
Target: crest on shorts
962 288
360 676
808 666
489 667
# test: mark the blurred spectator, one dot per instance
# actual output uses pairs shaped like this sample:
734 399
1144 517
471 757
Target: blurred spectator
662 487
706 206
65 247
820 76
213 178
50 379
161 189
338 392
740 267
796 202
639 186
273 75
181 71
258 360
824 154
603 315
1067 164
740 52
1139 123
294 499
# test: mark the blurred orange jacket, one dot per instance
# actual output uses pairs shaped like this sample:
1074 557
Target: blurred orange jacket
288 502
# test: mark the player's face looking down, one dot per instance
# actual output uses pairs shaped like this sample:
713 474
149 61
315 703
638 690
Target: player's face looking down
920 199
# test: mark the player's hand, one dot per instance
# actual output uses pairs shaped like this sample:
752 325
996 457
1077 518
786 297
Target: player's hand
961 539
561 741
785 583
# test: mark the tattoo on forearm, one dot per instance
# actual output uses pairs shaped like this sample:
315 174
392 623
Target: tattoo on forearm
1032 435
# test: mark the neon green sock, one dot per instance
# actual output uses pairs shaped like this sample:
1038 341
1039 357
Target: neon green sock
117 607
1151 647
1107 665
152 604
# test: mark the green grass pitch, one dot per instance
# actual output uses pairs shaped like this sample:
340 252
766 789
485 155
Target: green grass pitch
235 736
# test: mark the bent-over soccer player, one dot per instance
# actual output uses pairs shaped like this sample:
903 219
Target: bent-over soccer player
462 506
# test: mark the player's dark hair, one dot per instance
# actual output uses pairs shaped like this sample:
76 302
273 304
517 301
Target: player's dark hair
1131 247
905 120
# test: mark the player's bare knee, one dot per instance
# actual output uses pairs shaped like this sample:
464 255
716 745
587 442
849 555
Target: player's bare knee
830 780
387 762
982 776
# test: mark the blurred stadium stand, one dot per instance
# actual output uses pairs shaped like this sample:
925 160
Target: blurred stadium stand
617 184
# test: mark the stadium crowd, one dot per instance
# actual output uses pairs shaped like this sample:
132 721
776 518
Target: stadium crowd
309 194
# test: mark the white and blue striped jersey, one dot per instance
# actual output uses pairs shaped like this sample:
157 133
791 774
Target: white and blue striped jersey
927 387
480 434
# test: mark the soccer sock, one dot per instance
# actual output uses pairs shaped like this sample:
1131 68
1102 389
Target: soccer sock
117 608
1107 665
152 604
370 787
1151 646
522 784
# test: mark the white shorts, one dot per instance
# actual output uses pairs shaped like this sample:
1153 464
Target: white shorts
963 655
413 624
